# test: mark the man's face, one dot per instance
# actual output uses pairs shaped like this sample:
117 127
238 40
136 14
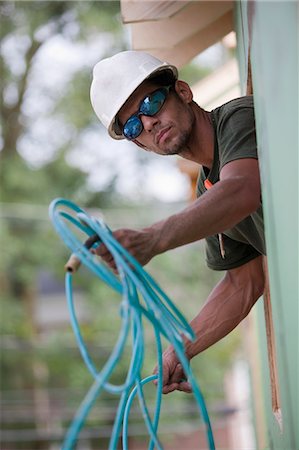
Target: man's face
168 131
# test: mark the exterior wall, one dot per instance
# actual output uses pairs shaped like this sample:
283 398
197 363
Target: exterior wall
271 31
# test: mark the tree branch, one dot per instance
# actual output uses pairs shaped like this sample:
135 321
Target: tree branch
11 115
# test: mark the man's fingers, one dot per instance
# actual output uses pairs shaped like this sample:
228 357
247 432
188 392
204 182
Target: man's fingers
178 374
169 388
155 372
185 386
106 256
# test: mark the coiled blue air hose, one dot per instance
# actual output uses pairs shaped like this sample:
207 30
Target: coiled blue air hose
141 297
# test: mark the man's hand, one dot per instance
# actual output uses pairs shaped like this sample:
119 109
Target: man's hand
174 377
141 244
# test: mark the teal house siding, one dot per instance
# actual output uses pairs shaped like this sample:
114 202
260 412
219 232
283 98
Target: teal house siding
270 30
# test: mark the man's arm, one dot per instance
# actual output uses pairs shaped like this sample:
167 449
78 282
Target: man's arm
229 201
227 305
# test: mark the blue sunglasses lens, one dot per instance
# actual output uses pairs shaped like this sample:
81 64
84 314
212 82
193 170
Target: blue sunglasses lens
153 103
132 128
149 106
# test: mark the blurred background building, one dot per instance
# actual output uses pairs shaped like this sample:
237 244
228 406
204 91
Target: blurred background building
53 146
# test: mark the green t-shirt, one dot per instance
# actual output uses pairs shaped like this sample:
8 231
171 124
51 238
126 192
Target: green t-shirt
235 138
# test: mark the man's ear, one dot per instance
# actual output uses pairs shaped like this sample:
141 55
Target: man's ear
183 91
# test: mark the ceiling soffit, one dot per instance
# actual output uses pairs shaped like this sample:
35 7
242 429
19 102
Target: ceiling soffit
177 31
142 11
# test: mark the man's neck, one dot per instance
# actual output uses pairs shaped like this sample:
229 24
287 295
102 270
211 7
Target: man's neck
201 145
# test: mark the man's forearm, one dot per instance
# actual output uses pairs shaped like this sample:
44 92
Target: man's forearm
216 211
227 203
227 305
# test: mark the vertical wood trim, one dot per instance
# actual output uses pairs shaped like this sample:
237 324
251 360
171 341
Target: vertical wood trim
249 88
275 396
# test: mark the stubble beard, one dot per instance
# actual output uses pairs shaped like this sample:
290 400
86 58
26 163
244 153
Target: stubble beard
178 147
183 139
181 144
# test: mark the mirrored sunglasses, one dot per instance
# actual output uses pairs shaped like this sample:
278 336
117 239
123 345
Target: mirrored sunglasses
149 106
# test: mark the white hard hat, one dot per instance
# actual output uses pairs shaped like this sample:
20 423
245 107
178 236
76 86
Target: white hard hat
116 78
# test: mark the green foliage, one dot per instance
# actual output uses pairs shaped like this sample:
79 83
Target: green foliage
192 73
13 318
29 360
20 183
103 15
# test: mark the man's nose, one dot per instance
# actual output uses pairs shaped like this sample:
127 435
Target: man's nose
149 122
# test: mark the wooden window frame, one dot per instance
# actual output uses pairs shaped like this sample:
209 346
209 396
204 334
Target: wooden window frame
270 333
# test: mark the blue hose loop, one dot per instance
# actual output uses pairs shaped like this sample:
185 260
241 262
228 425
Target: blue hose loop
142 298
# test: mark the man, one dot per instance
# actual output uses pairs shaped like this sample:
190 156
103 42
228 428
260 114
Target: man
140 98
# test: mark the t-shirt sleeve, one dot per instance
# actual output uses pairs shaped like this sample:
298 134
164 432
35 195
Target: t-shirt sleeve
236 135
236 253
